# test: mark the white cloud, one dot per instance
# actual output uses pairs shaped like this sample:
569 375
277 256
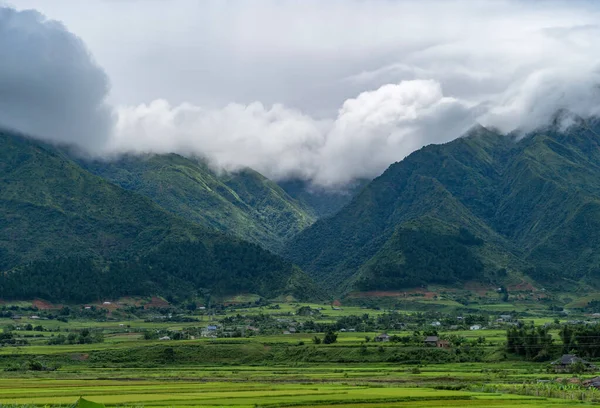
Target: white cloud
424 71
370 132
277 141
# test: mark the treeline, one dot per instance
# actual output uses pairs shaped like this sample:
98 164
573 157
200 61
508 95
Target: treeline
428 258
180 268
529 341
536 343
583 340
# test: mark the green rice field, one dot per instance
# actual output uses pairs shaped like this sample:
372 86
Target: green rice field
250 387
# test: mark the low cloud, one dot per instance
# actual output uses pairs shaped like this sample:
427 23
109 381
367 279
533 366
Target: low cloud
369 132
49 85
363 89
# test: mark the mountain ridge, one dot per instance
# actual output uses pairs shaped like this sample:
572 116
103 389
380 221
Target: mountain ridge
527 199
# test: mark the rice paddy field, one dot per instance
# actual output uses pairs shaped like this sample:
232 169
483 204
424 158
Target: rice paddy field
245 386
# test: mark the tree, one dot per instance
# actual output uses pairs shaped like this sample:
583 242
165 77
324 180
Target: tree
168 355
316 340
330 337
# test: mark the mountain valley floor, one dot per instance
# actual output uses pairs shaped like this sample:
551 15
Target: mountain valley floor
246 352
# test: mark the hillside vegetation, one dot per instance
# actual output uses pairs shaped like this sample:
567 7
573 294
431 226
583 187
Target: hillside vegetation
483 207
244 204
66 234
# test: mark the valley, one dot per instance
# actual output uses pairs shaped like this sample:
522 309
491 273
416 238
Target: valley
275 203
246 352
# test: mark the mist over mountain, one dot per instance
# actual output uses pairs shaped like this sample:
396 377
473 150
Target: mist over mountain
486 207
256 97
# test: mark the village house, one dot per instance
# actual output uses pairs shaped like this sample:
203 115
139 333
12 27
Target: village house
431 340
435 341
475 327
209 331
592 383
383 337
443 344
568 362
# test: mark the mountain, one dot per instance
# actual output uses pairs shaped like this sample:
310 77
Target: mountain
66 234
244 204
484 207
323 202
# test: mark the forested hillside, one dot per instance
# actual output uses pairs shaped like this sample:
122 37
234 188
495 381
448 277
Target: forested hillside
482 207
244 204
66 234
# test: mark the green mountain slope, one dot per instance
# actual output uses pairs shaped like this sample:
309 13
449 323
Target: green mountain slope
67 234
469 210
244 204
322 202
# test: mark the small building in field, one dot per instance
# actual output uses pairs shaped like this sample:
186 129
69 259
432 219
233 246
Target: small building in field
165 338
431 340
475 327
592 383
443 344
435 341
568 362
383 337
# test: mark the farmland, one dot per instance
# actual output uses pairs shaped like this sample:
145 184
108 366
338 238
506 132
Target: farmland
245 386
267 354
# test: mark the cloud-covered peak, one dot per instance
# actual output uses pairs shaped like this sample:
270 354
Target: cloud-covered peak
366 85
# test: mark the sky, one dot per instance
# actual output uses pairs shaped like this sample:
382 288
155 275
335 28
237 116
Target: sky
325 91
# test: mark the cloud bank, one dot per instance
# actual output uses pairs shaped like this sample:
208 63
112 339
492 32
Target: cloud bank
366 85
49 85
